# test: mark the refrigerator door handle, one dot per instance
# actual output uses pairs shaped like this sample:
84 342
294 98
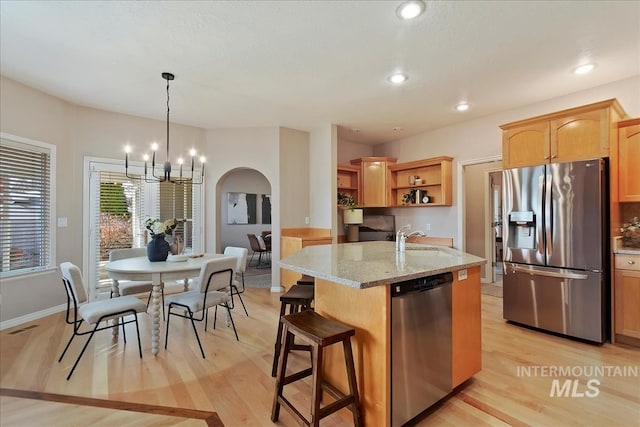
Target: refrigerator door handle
548 215
560 275
540 211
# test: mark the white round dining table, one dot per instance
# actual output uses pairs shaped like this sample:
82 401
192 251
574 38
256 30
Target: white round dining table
141 269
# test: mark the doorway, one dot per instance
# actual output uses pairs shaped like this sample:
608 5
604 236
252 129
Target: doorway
482 199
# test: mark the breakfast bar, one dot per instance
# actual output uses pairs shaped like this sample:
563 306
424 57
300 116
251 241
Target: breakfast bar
356 284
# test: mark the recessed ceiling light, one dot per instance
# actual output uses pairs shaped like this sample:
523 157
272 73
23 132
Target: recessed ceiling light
398 78
463 106
410 9
584 69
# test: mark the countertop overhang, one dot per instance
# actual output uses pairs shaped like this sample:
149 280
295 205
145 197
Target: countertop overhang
367 264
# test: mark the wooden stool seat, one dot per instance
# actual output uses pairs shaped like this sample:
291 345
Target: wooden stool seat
318 332
297 298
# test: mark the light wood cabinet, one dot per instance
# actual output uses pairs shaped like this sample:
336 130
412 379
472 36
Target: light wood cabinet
628 156
374 176
348 181
627 298
435 176
581 133
466 336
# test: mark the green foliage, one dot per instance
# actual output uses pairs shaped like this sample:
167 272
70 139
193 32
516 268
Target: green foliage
113 200
347 200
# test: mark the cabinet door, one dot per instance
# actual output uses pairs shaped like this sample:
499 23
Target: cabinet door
466 328
374 184
526 146
629 174
580 137
627 301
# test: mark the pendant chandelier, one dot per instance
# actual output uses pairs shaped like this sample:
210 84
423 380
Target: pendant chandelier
166 169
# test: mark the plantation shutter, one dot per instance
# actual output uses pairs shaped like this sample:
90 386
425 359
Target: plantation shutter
25 207
117 213
177 201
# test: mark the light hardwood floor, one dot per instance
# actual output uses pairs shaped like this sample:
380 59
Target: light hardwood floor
234 381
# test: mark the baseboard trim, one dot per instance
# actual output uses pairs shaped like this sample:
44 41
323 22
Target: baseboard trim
31 317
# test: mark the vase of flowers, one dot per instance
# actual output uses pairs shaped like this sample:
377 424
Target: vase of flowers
158 248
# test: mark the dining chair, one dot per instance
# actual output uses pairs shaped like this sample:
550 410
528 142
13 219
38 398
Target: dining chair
131 287
214 288
95 312
256 248
241 266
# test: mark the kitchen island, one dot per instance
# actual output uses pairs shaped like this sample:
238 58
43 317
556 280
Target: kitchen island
354 286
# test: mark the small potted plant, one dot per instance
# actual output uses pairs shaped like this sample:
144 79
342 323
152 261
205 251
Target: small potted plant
346 201
631 233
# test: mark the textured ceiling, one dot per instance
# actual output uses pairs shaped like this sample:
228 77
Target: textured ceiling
304 64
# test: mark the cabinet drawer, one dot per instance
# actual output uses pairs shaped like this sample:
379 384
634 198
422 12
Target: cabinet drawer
627 262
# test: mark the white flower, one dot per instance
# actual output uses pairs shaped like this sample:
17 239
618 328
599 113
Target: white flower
155 226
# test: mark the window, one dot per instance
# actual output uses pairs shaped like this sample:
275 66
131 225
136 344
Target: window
118 207
26 204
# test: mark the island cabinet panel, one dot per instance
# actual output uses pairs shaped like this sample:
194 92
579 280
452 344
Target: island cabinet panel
628 155
580 133
373 180
294 239
429 180
466 325
368 311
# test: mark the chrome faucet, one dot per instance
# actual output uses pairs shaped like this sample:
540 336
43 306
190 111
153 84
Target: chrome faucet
401 237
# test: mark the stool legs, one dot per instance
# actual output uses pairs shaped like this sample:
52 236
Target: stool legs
316 394
353 384
282 366
278 345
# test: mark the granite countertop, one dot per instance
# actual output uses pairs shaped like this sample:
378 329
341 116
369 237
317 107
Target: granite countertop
368 264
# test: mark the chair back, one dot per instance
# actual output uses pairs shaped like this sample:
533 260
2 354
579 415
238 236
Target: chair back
241 254
116 254
217 274
73 283
253 241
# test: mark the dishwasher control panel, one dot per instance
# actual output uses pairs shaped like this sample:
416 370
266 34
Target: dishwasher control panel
421 284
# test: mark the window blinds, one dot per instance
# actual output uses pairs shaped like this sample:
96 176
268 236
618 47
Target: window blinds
25 207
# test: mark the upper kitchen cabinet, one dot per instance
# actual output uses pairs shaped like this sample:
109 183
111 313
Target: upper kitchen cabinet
628 155
580 133
349 181
374 177
421 183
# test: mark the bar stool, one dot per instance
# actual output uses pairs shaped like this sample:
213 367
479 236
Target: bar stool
319 333
297 298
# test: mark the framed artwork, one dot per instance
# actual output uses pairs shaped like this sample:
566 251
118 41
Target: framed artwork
241 208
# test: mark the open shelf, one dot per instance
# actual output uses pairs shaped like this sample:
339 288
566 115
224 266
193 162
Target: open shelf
435 174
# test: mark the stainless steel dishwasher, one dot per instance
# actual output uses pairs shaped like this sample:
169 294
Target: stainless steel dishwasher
420 345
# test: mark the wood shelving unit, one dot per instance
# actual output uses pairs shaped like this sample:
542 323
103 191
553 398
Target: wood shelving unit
435 174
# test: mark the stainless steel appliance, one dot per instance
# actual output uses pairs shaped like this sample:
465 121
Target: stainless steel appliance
420 345
555 248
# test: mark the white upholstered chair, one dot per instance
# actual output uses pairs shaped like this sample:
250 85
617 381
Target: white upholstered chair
241 266
214 287
96 312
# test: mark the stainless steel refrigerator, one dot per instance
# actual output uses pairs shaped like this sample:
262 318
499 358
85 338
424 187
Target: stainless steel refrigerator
556 248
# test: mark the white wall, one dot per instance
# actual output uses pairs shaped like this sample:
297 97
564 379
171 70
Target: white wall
294 178
322 176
